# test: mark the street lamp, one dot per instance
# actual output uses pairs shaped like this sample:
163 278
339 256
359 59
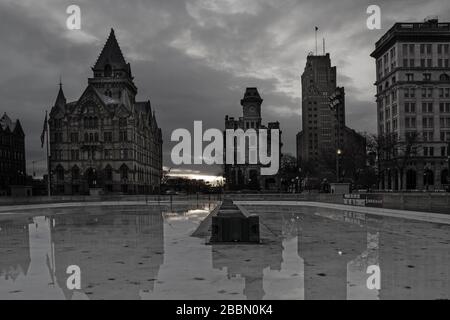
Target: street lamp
338 155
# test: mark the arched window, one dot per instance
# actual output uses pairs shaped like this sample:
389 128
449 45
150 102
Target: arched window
91 177
411 180
108 70
60 173
108 173
123 172
428 178
444 177
75 173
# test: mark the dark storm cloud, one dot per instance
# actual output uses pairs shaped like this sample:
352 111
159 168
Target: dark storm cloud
194 58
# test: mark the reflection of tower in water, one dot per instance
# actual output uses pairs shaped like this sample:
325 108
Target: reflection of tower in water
250 261
414 261
327 244
119 250
14 248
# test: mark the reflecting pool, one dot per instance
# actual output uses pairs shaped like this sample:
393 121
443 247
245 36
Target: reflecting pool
148 252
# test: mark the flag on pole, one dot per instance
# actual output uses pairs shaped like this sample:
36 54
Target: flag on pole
44 130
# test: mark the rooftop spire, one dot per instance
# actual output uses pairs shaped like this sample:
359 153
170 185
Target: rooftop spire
111 54
60 99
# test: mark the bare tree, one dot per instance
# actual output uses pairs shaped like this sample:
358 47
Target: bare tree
396 153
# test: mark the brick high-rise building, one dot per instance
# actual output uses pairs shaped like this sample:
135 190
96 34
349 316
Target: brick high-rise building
413 105
322 124
106 140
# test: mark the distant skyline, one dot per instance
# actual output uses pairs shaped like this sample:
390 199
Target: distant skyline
194 58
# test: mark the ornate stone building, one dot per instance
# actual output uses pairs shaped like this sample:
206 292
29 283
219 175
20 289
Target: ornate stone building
413 105
248 176
106 141
12 154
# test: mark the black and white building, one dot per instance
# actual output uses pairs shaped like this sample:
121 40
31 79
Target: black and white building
105 141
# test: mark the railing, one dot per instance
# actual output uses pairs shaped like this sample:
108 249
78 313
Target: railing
417 26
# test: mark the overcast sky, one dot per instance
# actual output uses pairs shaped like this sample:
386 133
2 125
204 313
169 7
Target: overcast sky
193 59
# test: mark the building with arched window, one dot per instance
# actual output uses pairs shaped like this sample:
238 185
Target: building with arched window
248 176
105 140
413 105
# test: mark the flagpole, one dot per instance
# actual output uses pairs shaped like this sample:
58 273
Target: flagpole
49 193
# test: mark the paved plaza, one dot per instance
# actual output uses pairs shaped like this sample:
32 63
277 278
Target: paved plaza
139 250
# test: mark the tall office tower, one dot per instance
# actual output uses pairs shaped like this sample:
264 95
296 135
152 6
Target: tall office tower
322 122
413 104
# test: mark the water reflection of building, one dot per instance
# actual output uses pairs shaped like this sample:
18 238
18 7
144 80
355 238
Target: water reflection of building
14 248
119 253
414 262
413 256
326 254
250 261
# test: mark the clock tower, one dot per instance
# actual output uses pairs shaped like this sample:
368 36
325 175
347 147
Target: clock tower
251 107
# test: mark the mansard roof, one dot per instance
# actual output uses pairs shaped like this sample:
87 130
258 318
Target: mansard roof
143 106
251 95
111 54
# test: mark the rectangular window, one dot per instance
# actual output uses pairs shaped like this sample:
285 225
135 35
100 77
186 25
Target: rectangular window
74 137
427 107
428 136
427 122
123 136
107 136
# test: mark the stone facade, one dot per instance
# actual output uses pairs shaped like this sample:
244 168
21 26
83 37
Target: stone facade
248 176
413 104
106 141
12 154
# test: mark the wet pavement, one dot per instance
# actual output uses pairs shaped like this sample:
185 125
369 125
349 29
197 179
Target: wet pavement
148 252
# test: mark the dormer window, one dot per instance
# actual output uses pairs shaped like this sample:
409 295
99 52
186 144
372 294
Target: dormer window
108 70
444 77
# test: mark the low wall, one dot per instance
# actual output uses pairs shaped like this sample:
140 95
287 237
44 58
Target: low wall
425 202
98 198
